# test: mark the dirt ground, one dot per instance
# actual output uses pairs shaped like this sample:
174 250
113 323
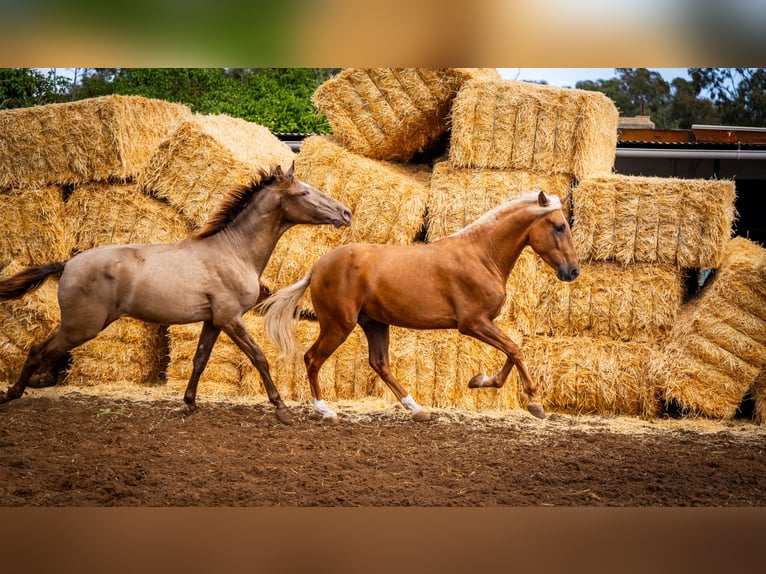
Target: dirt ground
68 447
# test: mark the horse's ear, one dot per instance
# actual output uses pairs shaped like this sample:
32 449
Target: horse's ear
291 172
278 173
542 199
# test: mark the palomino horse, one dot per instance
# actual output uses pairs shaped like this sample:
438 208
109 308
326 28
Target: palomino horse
457 282
211 276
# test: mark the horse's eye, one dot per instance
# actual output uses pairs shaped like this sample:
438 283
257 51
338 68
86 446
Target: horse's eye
559 228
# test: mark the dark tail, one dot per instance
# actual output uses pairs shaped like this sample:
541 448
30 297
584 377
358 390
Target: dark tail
28 280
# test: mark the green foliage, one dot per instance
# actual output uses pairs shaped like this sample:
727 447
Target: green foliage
738 93
26 87
277 98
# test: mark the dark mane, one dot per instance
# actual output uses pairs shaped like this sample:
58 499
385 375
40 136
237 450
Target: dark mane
236 200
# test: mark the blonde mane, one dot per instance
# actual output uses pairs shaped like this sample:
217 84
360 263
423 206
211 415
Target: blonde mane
530 197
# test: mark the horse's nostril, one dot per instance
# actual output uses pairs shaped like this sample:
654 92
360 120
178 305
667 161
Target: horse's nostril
575 273
347 215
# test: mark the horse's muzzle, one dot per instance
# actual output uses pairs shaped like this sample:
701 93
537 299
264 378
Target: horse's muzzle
344 220
569 273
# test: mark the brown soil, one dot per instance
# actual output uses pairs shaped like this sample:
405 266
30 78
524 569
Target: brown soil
63 447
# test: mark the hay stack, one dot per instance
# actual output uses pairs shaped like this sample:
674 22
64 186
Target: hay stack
107 214
387 200
32 229
97 139
128 351
634 219
625 303
718 345
24 322
390 113
512 125
583 375
194 166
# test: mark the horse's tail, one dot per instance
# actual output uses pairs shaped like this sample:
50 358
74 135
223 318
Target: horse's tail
28 280
280 317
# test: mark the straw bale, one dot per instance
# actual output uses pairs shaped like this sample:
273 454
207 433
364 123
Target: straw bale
203 157
513 125
459 196
636 219
718 345
32 228
108 214
97 139
392 113
24 322
583 375
387 200
627 303
128 351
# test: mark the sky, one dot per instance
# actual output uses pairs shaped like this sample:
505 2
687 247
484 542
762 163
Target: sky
568 77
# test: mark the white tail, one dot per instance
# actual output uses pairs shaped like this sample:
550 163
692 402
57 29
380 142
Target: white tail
280 318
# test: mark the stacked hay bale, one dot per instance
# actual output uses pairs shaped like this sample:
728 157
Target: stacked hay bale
616 341
638 238
717 348
204 157
91 151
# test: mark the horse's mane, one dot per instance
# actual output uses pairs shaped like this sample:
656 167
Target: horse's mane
531 197
237 199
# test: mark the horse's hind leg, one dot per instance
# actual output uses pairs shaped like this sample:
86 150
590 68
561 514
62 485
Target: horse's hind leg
205 345
378 341
50 372
331 336
238 333
53 350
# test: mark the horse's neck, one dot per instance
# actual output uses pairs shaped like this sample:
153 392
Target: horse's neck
502 241
253 235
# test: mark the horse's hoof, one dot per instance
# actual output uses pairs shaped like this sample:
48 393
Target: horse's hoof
331 420
284 416
537 410
421 416
191 408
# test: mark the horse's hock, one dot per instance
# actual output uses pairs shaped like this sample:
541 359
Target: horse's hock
618 340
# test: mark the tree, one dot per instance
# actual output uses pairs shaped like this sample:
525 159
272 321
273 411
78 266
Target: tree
277 98
738 93
25 87
686 108
636 91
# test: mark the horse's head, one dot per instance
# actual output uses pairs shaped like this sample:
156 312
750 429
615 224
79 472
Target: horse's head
551 238
302 203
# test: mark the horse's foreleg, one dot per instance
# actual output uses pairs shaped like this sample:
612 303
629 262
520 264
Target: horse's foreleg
238 333
207 339
378 342
489 333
